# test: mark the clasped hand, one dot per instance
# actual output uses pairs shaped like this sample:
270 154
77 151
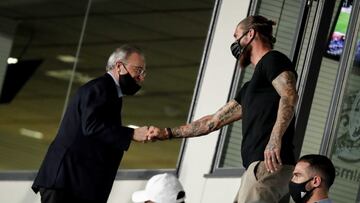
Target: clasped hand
149 134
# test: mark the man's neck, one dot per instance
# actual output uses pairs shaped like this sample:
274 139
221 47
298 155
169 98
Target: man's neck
257 53
113 73
318 195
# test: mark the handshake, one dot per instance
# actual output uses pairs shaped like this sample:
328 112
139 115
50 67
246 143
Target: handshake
151 134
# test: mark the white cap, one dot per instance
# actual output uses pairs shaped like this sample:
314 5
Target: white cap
162 188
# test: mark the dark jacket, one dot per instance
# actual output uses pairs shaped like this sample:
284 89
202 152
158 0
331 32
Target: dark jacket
84 157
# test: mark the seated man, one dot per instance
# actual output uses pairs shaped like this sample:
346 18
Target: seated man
162 188
312 178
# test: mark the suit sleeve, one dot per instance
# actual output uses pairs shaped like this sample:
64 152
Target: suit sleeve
97 120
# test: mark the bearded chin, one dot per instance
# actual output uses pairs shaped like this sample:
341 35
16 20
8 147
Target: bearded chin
245 57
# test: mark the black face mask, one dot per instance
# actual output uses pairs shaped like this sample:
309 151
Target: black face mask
237 49
128 84
298 191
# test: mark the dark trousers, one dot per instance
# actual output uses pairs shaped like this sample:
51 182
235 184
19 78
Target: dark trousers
60 196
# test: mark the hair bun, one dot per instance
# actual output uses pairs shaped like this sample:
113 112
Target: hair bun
273 40
270 22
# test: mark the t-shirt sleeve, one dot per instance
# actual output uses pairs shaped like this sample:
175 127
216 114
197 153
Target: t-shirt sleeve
276 63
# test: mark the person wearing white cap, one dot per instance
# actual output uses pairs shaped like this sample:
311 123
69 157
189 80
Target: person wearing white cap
161 188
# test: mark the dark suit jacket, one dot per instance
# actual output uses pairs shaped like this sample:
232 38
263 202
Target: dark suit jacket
85 155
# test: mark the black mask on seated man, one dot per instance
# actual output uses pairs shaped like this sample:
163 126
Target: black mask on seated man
128 84
298 191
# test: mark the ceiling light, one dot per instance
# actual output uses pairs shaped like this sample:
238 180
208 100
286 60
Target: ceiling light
133 126
79 78
66 58
12 60
31 133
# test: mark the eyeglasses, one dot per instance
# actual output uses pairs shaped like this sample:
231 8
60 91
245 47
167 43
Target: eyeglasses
138 69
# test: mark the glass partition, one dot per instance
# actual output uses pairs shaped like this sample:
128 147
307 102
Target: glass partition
36 46
345 153
41 39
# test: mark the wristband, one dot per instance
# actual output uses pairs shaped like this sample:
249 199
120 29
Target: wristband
168 130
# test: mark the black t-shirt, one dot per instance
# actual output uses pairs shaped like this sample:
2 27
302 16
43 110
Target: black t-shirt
259 101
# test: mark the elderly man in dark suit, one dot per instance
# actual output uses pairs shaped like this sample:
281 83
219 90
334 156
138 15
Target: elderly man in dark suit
82 161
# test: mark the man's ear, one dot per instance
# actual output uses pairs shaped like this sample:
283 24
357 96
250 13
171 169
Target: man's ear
252 32
317 181
118 67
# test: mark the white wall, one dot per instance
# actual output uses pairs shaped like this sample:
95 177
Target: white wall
20 191
199 152
122 190
17 192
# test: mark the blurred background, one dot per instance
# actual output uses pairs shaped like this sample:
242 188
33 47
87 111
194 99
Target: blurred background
42 39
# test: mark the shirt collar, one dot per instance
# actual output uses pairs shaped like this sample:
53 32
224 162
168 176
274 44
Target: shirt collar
120 94
327 200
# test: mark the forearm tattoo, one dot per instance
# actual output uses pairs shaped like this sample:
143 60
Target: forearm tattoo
228 113
285 84
274 142
193 129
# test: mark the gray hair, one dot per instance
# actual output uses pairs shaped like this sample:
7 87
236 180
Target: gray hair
121 54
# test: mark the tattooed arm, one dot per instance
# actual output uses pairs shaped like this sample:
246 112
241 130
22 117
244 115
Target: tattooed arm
225 115
285 85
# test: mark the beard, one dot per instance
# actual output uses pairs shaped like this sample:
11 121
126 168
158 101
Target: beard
245 57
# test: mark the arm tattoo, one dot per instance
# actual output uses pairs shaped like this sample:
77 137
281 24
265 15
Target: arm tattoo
228 113
211 125
285 85
195 128
273 143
